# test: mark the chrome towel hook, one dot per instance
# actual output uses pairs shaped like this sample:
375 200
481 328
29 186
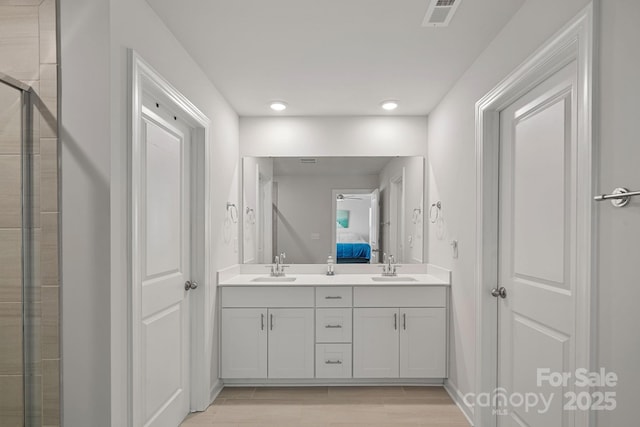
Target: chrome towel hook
434 214
232 211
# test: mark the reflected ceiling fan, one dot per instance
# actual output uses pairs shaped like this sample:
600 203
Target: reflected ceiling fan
340 197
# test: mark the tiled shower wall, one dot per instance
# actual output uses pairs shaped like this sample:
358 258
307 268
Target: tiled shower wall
28 52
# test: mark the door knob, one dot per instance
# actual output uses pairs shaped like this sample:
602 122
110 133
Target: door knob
499 292
190 285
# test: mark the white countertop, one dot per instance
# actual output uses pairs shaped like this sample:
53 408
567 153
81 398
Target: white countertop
336 280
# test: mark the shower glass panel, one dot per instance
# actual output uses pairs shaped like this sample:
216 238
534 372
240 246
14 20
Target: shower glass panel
20 367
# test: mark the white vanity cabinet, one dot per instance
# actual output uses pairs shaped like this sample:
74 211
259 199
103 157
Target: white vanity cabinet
376 343
407 340
244 343
267 333
423 342
291 343
342 333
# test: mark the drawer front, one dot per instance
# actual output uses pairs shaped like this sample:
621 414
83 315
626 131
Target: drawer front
267 296
400 296
333 325
333 360
333 296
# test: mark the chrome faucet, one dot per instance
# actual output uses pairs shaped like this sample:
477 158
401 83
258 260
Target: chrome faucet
389 265
277 269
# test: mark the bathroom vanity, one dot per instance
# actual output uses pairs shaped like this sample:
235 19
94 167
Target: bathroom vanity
355 327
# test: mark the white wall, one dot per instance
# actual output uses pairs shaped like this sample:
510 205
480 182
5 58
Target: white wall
85 140
619 229
95 37
333 136
452 165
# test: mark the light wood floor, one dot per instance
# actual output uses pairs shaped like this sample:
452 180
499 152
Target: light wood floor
330 407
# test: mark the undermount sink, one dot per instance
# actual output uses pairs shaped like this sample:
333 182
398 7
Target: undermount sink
274 279
393 279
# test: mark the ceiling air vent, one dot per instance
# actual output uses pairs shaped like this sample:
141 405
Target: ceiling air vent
440 12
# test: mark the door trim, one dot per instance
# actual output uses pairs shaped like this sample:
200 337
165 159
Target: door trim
144 79
574 42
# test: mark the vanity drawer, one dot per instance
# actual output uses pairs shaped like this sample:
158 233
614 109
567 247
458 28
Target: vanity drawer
333 360
400 296
333 325
267 296
333 296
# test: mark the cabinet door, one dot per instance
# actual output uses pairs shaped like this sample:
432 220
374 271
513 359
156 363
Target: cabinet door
423 343
375 342
291 343
244 343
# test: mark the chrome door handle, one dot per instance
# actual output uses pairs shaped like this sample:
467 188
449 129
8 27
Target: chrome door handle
333 362
262 321
190 285
499 292
395 321
330 297
333 326
271 322
404 321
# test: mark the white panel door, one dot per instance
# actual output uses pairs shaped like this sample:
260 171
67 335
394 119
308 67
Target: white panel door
374 227
291 343
537 246
375 343
244 343
423 343
165 267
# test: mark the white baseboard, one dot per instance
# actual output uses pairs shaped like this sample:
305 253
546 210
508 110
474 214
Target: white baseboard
215 391
457 397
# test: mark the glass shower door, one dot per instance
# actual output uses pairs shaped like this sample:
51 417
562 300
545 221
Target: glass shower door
20 371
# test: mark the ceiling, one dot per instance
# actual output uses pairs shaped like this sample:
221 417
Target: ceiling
332 57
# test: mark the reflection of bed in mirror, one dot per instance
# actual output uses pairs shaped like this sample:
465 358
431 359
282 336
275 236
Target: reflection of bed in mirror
352 248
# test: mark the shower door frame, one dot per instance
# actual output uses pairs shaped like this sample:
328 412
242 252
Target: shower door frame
27 214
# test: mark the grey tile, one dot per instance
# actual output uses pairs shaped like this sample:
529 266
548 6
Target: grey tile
10 192
11 265
48 101
50 322
47 17
51 392
11 400
11 338
49 249
19 42
18 22
10 120
49 175
36 188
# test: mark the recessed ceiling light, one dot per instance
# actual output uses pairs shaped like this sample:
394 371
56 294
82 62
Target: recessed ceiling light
389 105
278 105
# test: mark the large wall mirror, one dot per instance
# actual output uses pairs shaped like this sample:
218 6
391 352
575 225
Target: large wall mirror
353 208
